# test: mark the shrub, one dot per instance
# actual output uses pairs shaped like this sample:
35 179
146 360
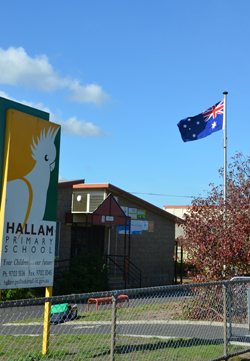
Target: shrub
21 293
87 273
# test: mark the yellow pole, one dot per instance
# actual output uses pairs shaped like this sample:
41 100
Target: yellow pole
46 324
4 176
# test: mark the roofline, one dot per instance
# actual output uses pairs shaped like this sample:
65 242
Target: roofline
177 206
92 185
125 194
67 183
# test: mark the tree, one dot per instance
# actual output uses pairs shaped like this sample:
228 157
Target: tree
217 241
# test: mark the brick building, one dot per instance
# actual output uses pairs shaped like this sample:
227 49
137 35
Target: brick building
179 211
129 231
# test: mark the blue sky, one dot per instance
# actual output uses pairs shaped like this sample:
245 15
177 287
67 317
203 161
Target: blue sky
118 76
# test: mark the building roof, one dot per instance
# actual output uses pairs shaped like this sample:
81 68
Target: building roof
110 188
66 183
177 206
112 212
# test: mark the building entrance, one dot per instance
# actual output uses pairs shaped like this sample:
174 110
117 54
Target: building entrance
86 239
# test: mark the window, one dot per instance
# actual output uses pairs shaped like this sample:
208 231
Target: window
86 202
79 202
95 201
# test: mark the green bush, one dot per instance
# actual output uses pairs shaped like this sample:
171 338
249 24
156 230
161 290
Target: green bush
22 293
87 273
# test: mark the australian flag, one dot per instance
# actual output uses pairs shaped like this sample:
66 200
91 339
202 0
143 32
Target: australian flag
202 125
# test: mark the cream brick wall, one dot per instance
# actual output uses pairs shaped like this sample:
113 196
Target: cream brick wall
153 251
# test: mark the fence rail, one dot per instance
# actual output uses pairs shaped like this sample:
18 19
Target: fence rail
206 321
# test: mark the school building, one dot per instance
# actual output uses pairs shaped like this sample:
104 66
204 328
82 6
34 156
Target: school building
136 237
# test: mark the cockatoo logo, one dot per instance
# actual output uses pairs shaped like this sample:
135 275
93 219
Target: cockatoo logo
44 153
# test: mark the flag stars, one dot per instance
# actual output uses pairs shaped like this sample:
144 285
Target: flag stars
203 124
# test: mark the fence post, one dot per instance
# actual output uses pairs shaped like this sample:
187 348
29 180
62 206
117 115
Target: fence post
229 312
113 327
225 320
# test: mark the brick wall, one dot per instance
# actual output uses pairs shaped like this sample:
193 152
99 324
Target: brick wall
63 207
153 251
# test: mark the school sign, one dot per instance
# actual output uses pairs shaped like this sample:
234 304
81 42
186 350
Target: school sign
29 157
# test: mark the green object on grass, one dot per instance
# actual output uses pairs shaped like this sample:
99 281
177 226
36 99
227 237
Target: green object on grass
59 308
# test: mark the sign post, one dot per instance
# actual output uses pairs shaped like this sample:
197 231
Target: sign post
46 323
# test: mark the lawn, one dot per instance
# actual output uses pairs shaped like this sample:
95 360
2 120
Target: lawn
158 311
86 347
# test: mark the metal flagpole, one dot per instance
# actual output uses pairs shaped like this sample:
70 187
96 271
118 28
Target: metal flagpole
225 163
225 148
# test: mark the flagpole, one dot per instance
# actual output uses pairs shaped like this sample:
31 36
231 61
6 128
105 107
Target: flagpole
225 147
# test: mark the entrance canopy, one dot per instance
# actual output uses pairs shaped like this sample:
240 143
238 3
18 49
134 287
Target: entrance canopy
110 213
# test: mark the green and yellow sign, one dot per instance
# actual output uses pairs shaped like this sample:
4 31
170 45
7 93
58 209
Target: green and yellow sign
29 200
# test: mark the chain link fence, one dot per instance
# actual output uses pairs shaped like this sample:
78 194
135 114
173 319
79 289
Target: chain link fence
186 322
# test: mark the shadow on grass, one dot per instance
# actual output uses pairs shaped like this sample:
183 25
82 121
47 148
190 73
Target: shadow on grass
38 356
153 346
80 317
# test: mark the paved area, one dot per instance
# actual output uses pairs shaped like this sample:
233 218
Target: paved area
199 330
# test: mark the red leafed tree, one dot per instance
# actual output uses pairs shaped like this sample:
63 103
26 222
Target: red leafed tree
218 242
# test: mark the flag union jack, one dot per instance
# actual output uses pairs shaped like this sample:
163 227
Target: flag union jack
213 111
203 124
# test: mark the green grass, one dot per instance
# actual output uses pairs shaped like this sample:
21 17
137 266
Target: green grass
167 311
28 320
97 347
87 347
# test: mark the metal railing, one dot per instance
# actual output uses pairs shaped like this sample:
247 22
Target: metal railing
120 267
206 321
62 265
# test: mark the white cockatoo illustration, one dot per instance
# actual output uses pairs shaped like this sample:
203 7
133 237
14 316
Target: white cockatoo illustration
26 197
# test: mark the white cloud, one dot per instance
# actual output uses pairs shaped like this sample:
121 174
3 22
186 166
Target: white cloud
5 95
76 127
61 178
71 126
88 93
17 68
